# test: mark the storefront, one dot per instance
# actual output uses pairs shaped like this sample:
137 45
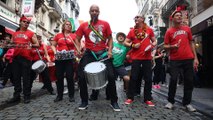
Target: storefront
203 32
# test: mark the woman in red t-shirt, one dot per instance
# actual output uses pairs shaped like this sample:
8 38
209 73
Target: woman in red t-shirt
63 47
22 61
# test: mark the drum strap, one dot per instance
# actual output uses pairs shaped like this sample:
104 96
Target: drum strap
100 57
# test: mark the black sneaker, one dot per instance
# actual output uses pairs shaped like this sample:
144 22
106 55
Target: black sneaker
83 106
115 107
14 100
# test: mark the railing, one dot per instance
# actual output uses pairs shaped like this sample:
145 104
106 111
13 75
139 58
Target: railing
57 7
168 7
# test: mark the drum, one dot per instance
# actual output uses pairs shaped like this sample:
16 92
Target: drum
96 75
38 66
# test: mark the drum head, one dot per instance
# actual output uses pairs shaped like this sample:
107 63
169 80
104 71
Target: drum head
38 64
95 67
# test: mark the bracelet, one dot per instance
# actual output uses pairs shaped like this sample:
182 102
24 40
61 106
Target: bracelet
132 45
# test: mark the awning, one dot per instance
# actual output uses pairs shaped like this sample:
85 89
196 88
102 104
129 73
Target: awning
8 30
7 23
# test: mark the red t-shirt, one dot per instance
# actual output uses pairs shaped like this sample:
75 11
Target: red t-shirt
35 55
50 53
20 37
65 43
172 37
139 53
92 41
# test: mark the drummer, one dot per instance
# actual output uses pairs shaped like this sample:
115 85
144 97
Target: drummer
45 57
22 61
98 44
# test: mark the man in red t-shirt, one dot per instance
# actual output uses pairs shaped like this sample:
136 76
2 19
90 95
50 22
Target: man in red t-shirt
98 44
178 41
141 39
22 61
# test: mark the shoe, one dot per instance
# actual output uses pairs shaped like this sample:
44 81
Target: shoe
83 106
115 107
154 86
65 92
1 86
137 94
71 99
169 105
26 101
128 101
14 100
52 93
93 97
190 108
58 99
43 87
158 86
150 103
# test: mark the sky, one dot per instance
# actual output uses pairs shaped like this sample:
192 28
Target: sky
119 13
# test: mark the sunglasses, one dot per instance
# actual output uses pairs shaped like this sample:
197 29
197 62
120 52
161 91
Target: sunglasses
26 22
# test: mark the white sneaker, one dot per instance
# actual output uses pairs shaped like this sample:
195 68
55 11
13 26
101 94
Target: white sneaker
65 92
169 105
190 108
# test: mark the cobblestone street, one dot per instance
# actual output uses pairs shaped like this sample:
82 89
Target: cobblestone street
42 107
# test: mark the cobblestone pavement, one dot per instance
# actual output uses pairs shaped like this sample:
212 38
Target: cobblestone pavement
42 107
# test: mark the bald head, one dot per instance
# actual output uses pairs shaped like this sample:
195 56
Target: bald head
94 6
94 12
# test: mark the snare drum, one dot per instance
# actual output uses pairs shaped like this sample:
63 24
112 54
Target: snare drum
96 75
38 66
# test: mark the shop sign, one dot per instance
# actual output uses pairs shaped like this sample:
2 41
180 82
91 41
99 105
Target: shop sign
7 14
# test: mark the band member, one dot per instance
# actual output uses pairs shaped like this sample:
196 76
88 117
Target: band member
63 47
141 39
22 61
178 41
98 43
42 51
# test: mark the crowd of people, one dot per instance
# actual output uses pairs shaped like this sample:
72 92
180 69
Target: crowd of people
139 47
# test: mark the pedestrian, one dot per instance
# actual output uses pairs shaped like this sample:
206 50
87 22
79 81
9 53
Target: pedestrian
21 65
98 44
141 39
42 54
158 69
178 41
63 47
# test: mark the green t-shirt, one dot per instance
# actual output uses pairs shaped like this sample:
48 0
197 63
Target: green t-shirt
119 52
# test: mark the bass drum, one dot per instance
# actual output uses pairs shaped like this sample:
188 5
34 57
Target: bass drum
96 75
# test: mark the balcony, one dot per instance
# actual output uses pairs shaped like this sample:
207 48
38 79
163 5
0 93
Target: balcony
170 6
64 16
55 11
154 10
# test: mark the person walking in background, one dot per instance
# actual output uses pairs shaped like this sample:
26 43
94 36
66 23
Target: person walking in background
141 39
42 50
98 43
178 41
21 65
63 47
158 69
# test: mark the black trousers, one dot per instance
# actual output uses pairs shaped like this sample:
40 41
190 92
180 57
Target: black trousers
45 77
21 69
136 71
111 86
64 67
188 73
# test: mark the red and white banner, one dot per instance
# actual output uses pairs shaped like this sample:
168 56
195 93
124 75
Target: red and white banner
28 7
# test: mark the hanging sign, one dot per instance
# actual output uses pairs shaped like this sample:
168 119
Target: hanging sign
28 7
